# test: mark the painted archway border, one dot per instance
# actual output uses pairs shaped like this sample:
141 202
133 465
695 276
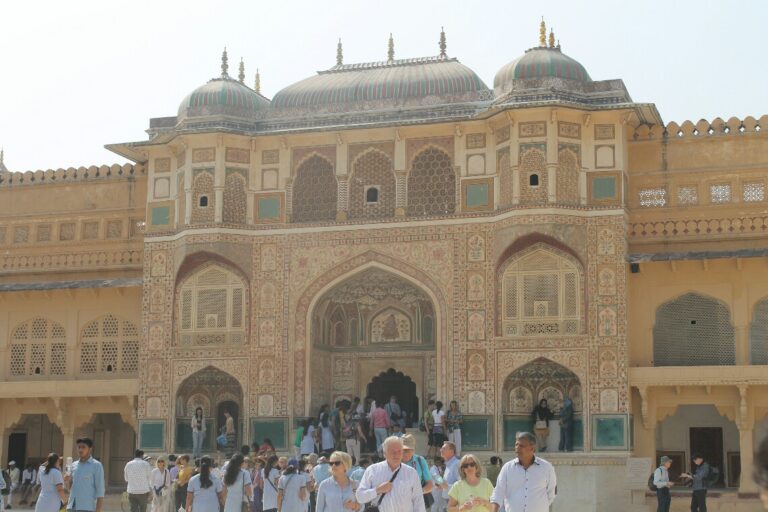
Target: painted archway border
302 320
507 361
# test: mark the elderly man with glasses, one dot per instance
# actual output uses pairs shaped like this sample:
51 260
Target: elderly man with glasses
391 485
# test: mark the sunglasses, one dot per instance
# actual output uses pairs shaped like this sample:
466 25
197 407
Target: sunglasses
468 465
335 462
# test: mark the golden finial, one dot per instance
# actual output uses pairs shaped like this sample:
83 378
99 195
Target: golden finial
542 33
339 54
241 75
257 83
443 46
391 49
224 63
551 38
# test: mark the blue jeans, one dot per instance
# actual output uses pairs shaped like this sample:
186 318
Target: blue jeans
197 443
381 435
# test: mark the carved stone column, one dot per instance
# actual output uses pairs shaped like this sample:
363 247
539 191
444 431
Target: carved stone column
401 193
342 198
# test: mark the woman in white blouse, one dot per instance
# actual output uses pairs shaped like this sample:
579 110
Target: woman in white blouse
160 480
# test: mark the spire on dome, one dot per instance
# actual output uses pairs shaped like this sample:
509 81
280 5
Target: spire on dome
241 74
542 33
3 168
551 38
442 44
224 64
391 49
339 54
257 83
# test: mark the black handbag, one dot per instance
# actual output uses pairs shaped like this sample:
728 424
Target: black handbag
429 500
375 508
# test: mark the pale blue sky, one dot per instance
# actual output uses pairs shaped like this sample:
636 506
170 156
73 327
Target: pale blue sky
76 75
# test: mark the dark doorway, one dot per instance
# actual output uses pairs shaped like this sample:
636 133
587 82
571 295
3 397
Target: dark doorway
708 441
17 449
233 409
396 383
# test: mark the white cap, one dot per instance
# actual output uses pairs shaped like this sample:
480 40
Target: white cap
12 463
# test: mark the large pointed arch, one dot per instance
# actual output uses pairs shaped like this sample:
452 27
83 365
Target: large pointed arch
301 320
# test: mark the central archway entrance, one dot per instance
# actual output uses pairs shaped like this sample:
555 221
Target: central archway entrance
365 329
393 383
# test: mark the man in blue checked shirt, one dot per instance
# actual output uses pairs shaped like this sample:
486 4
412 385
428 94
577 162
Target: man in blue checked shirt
86 480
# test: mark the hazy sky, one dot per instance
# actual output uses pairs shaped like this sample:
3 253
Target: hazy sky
75 75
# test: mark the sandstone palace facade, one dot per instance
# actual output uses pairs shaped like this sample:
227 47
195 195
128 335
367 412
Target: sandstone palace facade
400 226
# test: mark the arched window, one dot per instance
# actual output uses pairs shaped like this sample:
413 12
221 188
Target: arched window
314 191
109 346
693 330
212 308
38 348
541 293
758 333
432 184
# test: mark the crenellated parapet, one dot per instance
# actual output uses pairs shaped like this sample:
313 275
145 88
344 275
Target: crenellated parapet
104 172
702 128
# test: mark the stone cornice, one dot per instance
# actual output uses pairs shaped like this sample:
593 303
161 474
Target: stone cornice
670 376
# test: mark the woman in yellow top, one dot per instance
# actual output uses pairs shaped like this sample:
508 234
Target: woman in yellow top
185 472
472 493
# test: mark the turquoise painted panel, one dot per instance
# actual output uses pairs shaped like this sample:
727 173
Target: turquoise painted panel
161 215
184 435
610 432
275 429
513 425
578 434
152 435
477 195
477 433
604 187
269 208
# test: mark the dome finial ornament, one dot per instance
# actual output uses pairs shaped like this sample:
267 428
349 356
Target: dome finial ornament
224 64
241 74
339 54
543 33
551 38
391 49
257 83
443 45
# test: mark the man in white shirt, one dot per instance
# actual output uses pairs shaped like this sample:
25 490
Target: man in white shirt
393 486
28 482
138 475
527 482
15 476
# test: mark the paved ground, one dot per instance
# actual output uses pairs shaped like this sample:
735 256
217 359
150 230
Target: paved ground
111 504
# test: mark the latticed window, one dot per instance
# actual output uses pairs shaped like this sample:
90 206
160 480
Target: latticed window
653 197
315 191
720 193
212 308
687 194
693 330
754 192
109 346
540 294
432 184
758 333
38 348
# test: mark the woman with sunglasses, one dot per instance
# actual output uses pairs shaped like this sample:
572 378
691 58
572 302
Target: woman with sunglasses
473 492
337 494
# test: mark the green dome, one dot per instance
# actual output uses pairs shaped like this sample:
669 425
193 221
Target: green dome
412 82
222 97
537 63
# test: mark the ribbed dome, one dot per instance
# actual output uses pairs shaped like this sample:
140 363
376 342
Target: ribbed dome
430 80
540 62
222 96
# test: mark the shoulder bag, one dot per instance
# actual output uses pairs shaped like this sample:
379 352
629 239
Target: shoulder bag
429 500
375 508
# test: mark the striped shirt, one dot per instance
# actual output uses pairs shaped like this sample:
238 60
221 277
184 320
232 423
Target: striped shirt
406 494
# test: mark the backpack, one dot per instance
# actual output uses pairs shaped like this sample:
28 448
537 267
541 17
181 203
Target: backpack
713 476
650 482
